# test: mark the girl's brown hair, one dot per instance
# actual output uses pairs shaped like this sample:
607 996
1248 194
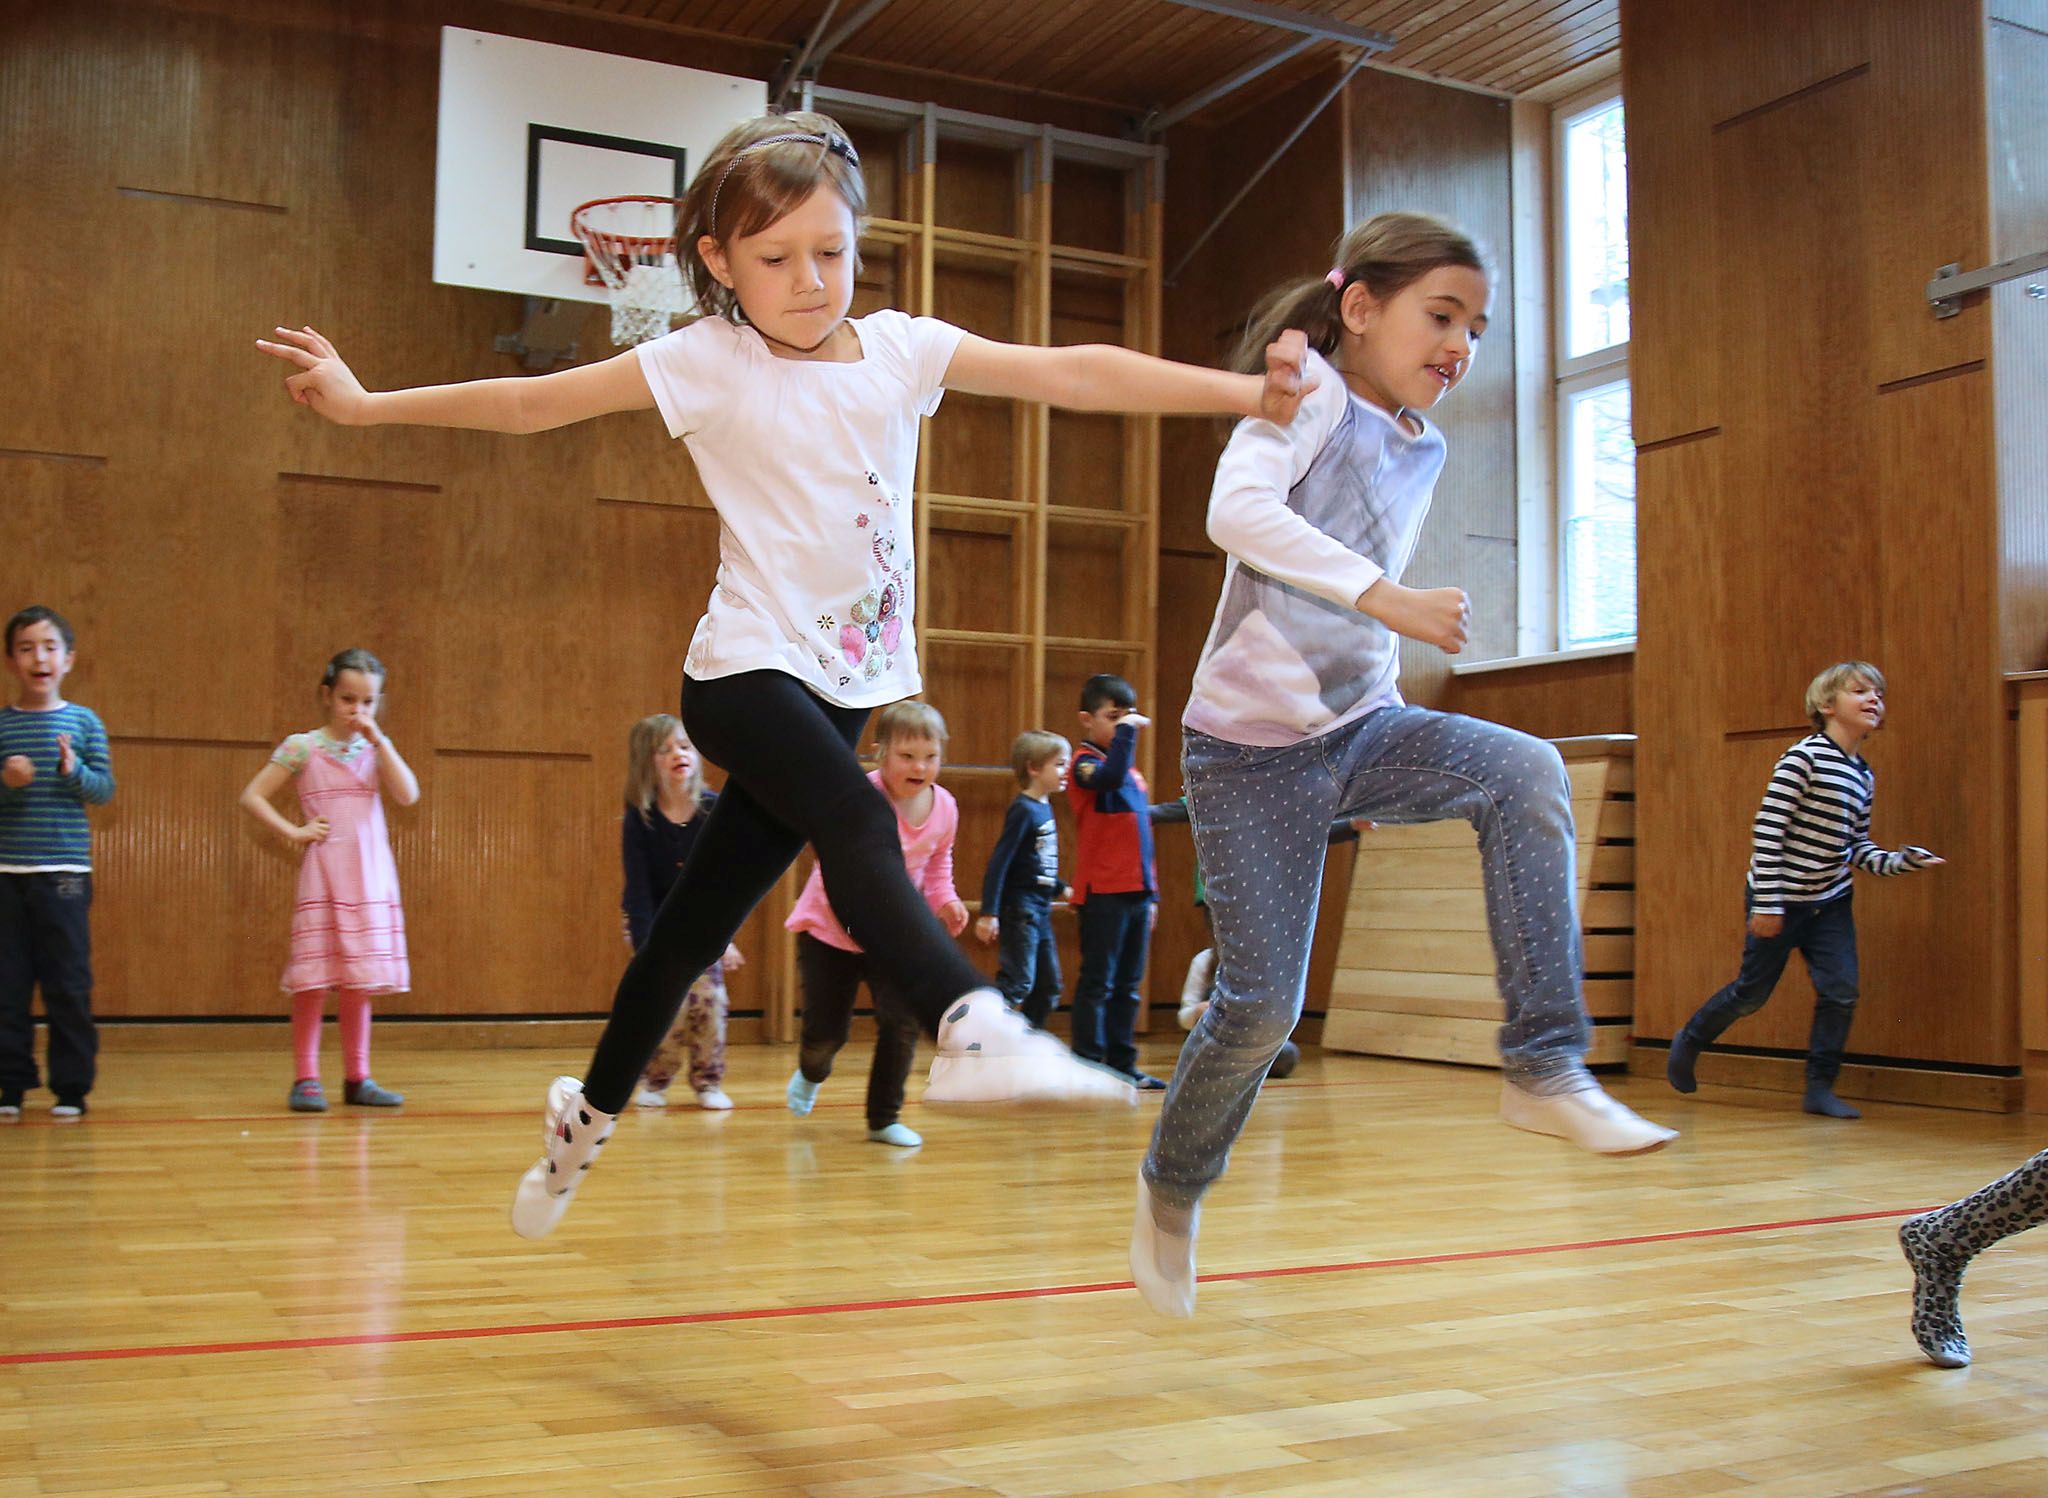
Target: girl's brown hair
752 178
1389 252
643 781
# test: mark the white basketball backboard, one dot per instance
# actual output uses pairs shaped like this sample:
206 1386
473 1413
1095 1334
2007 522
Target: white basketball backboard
528 130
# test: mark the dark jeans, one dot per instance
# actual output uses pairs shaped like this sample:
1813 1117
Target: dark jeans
793 778
1825 934
1028 960
1115 930
46 938
831 978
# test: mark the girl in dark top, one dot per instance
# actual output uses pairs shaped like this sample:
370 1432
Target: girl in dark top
666 804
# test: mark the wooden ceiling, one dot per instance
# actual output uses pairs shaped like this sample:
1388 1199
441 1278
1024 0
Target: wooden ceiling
1140 55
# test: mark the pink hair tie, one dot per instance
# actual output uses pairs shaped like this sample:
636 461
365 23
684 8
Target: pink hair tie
1336 278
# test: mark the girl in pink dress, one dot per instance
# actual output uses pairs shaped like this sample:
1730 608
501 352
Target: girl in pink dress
348 930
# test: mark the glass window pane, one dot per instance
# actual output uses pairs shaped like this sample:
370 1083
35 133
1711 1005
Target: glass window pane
1595 231
1599 510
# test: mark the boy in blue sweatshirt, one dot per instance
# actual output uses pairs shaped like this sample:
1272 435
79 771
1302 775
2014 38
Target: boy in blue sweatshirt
53 764
1023 880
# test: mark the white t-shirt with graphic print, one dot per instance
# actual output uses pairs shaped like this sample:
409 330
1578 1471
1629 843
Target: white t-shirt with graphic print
810 465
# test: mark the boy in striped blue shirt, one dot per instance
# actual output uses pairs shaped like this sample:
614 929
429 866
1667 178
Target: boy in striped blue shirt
1811 833
53 764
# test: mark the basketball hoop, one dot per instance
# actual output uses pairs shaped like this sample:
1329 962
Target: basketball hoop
629 246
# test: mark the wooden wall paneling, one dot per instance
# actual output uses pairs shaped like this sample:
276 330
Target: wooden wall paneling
192 901
1088 209
228 119
1089 577
1564 700
1674 299
652 567
331 602
634 461
971 555
2017 89
192 541
977 686
1930 998
361 262
56 556
1767 50
60 115
1087 450
884 157
977 188
1041 172
1926 193
514 620
1800 456
505 910
975 442
2030 880
1692 825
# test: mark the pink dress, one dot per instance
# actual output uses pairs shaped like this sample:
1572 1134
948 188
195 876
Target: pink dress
348 929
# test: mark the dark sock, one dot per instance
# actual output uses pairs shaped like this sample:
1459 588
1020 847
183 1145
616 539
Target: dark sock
1821 1100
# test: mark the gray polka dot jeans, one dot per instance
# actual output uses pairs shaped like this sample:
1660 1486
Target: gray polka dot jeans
1261 817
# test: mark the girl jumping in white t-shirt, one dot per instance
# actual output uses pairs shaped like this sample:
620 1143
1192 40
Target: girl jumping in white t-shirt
803 424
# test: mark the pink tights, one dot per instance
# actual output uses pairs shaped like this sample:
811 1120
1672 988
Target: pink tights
354 1009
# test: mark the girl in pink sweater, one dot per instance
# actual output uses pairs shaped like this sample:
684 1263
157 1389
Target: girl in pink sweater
910 742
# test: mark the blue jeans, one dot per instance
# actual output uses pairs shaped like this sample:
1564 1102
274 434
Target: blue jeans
1028 959
1114 932
1825 934
1261 820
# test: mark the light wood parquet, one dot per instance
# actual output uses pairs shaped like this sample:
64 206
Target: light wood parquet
758 1304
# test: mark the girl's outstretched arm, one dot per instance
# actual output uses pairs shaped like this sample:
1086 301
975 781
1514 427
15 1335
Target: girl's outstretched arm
533 403
1104 377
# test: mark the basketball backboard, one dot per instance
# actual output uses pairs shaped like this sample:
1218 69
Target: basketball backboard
528 130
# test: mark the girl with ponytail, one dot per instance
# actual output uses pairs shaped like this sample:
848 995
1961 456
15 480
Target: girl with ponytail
1296 720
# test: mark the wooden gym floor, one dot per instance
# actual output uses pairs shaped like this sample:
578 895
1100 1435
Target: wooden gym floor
201 1293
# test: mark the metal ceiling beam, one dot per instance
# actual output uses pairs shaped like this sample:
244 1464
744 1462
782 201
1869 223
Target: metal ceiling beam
847 28
1293 20
1350 72
1163 120
818 46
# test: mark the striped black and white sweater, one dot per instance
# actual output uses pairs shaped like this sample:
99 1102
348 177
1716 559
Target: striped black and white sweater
1813 829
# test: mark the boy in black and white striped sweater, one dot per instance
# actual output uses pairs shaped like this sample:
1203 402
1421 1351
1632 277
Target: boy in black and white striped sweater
1811 833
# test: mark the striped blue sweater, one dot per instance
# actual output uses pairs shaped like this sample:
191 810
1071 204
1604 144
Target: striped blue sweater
1813 829
42 824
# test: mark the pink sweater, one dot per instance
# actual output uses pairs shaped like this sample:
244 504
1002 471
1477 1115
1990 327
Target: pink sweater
927 855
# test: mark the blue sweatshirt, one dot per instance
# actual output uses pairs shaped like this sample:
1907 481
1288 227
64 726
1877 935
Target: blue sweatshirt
1026 859
42 824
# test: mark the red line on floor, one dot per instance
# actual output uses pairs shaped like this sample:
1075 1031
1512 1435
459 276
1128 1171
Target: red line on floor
909 1303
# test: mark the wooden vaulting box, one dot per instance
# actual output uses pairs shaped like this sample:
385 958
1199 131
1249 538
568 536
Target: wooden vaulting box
1415 969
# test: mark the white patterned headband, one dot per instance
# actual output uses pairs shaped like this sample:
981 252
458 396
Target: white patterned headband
837 144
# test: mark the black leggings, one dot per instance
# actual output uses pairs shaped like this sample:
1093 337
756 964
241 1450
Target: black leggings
792 778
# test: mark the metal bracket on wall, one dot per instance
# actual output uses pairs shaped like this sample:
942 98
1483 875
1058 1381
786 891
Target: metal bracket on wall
1946 291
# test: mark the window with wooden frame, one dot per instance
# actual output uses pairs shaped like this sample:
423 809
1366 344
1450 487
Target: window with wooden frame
1596 476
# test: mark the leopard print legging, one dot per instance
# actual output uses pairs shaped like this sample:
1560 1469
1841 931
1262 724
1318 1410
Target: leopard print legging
1940 1244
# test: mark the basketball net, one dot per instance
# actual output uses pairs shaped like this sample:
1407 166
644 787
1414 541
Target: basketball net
629 247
